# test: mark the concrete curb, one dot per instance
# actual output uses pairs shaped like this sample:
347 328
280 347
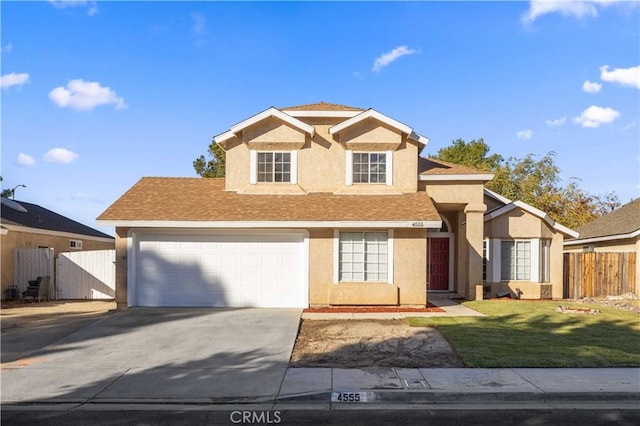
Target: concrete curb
422 397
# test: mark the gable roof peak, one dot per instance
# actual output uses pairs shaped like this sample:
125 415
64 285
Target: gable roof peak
321 106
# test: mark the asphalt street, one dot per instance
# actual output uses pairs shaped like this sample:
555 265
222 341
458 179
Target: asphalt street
487 416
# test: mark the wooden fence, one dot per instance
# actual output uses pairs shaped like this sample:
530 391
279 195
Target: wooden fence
599 274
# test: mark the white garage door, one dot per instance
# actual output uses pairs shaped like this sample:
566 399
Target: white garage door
261 270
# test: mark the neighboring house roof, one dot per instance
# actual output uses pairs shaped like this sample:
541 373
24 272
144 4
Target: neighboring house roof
182 201
432 169
619 224
510 205
40 218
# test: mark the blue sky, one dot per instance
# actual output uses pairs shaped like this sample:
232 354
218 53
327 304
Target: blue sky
96 95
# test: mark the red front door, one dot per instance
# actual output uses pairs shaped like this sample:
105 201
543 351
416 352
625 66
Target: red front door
438 272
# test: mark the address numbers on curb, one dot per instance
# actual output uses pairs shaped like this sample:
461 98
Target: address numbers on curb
351 397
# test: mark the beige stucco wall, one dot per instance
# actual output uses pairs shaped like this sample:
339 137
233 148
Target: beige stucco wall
462 192
408 288
370 135
519 224
17 239
271 133
321 158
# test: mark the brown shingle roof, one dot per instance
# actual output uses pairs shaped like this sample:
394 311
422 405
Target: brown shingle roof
321 106
431 166
624 220
197 199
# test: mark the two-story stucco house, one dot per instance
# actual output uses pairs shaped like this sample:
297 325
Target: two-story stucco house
324 205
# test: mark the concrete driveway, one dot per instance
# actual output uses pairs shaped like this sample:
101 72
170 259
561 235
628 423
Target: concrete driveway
168 354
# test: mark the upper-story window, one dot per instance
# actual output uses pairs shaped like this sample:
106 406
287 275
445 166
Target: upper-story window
369 167
274 167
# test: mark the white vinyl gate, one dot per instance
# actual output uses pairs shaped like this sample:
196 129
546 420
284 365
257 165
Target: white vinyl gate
31 263
86 275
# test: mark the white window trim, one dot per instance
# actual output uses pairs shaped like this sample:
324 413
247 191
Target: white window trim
535 260
545 260
388 171
489 259
389 177
349 168
253 166
336 255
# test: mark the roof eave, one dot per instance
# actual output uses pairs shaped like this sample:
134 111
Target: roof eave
485 177
615 237
532 210
416 224
370 113
273 112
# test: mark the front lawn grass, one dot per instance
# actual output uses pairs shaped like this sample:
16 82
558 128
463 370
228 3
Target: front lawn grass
518 333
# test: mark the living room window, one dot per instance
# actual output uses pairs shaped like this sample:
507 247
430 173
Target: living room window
369 167
274 167
515 260
363 256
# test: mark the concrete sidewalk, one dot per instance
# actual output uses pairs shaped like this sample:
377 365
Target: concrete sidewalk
460 385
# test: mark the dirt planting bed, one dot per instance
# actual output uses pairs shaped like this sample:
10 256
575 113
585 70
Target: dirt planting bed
368 343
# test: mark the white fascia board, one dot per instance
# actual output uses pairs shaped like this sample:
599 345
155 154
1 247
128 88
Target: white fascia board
496 196
601 239
73 235
532 210
467 177
339 114
4 231
419 138
370 113
416 224
224 137
273 112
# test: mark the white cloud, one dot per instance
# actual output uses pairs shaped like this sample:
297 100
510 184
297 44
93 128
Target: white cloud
387 58
577 9
7 48
624 76
591 87
25 160
60 155
85 95
556 122
63 4
199 23
525 134
13 79
594 116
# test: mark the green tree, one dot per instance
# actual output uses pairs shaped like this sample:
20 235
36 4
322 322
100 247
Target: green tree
214 166
472 154
534 180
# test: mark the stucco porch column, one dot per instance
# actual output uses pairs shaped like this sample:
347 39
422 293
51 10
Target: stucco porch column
474 233
121 267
